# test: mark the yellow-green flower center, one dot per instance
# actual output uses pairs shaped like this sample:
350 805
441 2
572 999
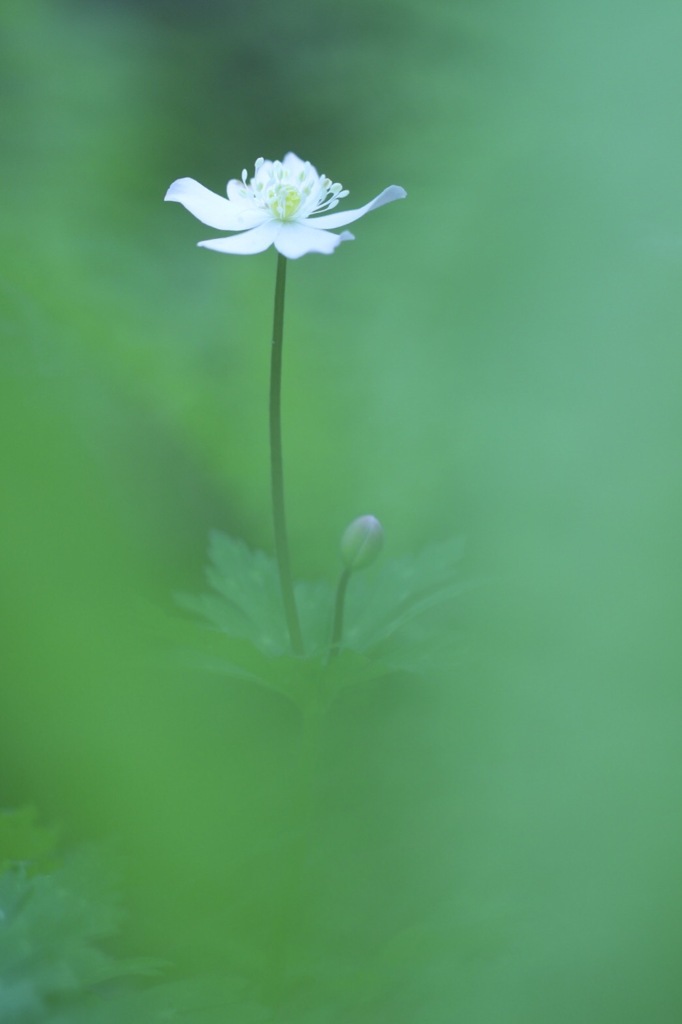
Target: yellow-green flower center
290 190
284 201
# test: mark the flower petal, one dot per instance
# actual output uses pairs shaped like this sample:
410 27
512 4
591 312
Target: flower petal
234 188
212 209
247 242
297 238
338 220
295 165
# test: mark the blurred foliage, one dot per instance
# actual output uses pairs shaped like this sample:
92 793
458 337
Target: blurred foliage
53 920
24 842
399 614
495 839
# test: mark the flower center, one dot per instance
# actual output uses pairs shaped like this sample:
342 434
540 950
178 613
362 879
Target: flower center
283 200
289 193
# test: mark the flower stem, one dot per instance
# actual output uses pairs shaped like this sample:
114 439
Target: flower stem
337 629
276 465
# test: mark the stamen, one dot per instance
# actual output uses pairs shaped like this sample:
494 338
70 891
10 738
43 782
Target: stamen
290 195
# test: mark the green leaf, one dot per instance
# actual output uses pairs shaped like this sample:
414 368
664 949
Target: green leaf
403 612
400 615
52 926
246 602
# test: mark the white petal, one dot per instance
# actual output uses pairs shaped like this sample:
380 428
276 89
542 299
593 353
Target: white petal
296 239
338 220
248 242
212 209
295 165
234 187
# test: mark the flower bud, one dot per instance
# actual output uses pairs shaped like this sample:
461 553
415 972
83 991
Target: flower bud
361 542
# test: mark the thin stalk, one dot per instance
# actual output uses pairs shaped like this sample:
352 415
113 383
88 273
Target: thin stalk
276 464
337 628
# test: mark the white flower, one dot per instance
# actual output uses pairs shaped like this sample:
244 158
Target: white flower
276 207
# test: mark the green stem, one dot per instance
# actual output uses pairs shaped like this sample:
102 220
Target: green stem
276 465
337 628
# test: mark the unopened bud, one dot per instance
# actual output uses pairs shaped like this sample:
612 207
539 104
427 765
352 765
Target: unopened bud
362 542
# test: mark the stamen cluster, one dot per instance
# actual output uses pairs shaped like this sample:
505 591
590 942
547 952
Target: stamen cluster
289 194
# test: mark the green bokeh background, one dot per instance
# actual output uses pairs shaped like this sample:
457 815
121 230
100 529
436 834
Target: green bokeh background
498 358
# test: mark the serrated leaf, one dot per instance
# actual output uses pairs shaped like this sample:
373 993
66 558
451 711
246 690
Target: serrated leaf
398 617
246 601
402 612
51 927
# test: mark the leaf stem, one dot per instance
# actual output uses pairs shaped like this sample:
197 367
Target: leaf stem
276 464
337 628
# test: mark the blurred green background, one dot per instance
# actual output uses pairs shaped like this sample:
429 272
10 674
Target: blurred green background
497 358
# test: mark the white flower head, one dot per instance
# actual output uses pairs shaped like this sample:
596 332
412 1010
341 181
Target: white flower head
286 204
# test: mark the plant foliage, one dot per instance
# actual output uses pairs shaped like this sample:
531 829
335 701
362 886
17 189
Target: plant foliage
399 617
